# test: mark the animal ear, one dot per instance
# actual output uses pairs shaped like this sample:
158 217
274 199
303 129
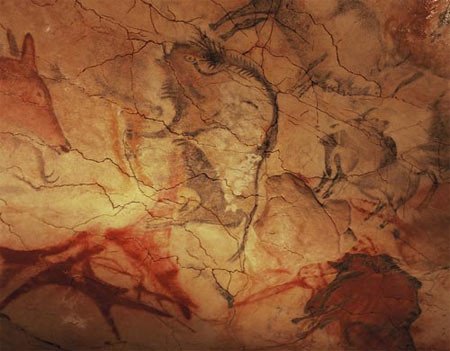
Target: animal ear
28 54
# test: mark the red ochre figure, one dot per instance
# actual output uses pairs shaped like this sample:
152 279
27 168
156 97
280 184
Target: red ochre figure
371 304
72 264
26 102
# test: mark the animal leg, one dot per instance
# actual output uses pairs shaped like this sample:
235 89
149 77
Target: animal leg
325 179
337 178
329 191
431 191
376 210
48 178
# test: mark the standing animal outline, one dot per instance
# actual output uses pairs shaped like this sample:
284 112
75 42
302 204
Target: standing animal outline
344 155
375 171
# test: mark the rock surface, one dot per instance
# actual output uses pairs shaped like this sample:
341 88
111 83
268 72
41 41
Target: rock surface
224 175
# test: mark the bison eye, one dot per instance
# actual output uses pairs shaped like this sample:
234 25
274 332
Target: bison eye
190 58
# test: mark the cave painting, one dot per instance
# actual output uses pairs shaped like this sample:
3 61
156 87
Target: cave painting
224 175
367 317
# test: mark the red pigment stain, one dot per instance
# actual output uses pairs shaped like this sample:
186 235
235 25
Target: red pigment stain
311 277
304 179
70 264
161 269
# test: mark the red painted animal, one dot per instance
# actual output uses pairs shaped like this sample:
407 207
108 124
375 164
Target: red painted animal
371 304
26 104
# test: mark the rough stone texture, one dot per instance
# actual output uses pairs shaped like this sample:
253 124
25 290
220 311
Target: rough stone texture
224 175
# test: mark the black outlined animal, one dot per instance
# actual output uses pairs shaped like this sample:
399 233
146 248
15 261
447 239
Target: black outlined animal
354 151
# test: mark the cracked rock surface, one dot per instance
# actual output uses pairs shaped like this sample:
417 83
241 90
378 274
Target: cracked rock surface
224 175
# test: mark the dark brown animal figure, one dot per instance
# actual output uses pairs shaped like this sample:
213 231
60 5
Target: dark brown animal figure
372 302
26 105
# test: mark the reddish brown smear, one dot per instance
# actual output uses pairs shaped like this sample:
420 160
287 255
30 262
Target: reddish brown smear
70 264
420 35
311 277
26 103
372 301
162 270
